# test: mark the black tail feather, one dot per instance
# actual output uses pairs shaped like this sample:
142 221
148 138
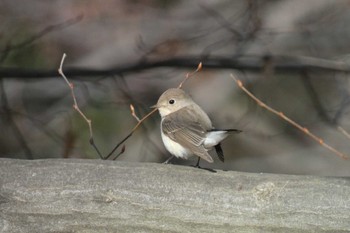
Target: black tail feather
233 130
228 130
220 152
218 148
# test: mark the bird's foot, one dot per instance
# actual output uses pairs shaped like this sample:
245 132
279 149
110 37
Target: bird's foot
168 160
204 168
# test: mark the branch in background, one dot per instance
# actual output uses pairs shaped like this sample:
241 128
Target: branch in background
241 39
343 131
43 33
253 63
290 121
9 116
343 105
4 53
222 21
315 99
321 110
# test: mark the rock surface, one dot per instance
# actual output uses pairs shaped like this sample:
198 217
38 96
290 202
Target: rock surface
108 196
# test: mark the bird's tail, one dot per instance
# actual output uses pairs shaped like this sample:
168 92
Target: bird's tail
217 147
227 130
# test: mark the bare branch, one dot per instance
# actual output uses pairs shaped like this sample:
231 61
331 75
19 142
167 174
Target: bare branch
343 131
75 105
189 75
222 21
290 121
132 109
42 33
129 135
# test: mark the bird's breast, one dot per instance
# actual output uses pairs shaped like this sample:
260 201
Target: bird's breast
175 148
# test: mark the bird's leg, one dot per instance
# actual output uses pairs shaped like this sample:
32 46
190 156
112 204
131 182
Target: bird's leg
204 168
197 165
168 160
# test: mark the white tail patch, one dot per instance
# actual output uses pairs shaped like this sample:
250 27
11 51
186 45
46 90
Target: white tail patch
213 138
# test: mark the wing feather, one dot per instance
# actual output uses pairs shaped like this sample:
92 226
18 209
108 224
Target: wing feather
183 128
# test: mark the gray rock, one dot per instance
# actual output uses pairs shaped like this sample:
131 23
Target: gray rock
108 196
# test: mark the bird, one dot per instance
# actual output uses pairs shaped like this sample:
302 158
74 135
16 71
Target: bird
186 129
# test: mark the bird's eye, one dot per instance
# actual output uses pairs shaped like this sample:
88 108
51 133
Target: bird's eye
171 101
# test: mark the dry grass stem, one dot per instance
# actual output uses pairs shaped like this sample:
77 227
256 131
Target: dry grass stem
290 121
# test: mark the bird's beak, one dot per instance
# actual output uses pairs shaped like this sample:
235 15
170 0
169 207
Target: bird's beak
154 106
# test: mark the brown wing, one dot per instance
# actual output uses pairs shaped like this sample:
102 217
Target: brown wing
183 127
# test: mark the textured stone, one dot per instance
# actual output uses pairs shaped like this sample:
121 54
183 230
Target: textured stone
109 196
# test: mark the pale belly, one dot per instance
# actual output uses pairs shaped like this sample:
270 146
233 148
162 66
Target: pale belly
175 148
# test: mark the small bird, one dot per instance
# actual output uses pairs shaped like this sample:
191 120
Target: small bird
186 129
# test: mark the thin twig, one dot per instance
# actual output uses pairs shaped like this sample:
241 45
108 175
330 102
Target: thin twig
76 107
121 152
189 75
132 109
129 135
290 121
143 118
343 131
128 93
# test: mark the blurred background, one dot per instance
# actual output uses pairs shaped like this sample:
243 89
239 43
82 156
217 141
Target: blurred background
292 55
